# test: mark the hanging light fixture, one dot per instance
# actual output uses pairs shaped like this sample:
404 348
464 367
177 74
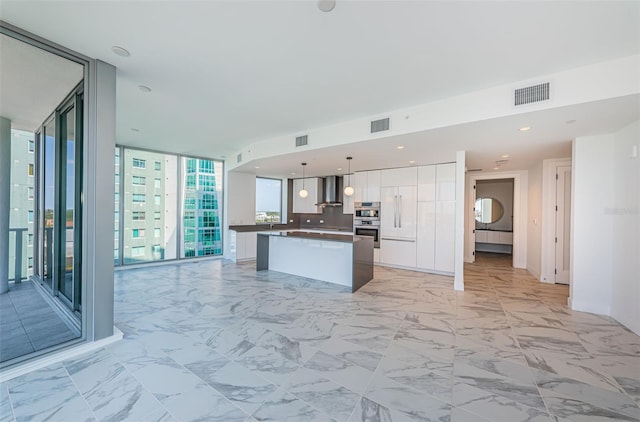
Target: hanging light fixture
349 189
303 192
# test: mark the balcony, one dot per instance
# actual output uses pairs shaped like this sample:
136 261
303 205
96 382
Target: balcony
30 318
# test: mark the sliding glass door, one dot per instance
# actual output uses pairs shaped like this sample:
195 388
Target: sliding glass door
59 202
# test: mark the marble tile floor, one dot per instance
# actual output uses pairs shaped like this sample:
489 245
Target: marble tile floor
216 341
28 323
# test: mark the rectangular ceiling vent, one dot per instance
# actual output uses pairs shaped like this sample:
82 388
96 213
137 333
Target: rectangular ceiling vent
380 125
532 94
239 158
302 140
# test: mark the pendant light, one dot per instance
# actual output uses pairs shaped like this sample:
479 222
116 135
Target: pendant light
349 189
303 192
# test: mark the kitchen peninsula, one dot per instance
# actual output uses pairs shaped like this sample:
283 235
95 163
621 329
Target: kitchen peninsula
342 259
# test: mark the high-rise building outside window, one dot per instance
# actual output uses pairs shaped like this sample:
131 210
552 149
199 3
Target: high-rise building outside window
201 207
196 213
139 163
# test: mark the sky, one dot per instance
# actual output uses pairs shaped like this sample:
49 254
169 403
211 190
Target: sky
268 193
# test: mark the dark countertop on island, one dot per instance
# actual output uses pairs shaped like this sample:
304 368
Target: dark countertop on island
334 237
265 227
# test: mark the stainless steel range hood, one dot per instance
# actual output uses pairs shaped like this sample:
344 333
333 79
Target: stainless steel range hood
332 186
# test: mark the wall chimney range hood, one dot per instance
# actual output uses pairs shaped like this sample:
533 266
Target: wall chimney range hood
332 192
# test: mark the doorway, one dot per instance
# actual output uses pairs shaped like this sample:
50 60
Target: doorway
493 212
509 236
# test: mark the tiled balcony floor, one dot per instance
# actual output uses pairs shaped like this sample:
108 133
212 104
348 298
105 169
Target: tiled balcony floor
217 341
28 323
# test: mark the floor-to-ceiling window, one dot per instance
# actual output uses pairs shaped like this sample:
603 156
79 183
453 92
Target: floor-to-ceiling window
167 206
201 193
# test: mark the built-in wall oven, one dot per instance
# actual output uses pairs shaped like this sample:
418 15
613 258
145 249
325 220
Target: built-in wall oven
366 220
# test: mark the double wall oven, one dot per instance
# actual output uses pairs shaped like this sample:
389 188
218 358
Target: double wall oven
366 220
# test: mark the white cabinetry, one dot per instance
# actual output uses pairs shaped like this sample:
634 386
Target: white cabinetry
367 186
494 236
313 185
398 252
398 212
244 244
436 217
426 235
347 202
372 192
398 218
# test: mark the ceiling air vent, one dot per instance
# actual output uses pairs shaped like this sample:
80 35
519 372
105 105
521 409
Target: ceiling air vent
380 125
302 140
532 94
239 158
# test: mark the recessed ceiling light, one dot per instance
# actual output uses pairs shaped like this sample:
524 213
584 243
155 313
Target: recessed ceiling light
120 51
257 167
339 168
505 156
412 161
144 88
570 121
133 129
293 173
326 5
496 168
400 147
525 128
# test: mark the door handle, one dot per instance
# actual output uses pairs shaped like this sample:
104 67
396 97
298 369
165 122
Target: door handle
398 240
395 211
400 211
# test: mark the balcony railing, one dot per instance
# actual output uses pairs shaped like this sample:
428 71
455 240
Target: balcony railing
20 265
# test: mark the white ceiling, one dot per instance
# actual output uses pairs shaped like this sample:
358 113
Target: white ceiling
33 83
227 73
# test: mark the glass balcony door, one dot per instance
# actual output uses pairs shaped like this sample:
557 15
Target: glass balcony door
59 167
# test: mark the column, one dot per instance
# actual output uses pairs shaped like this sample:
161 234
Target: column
5 194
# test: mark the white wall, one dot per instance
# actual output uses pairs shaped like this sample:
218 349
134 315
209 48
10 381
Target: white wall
614 78
534 220
239 205
624 211
458 281
591 231
241 199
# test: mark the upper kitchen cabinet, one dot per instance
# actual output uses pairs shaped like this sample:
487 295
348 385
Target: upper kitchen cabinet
406 176
446 182
347 204
426 183
367 186
313 185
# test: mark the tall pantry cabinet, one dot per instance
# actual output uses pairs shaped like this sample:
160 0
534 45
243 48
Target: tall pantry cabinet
435 239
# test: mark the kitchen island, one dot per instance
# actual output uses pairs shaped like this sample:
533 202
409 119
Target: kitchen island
342 259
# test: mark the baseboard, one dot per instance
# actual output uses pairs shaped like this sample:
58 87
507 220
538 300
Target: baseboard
590 307
58 356
534 273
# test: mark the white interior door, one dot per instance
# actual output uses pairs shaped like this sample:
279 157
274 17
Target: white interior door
563 223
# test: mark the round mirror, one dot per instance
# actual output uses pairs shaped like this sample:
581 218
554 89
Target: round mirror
488 210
